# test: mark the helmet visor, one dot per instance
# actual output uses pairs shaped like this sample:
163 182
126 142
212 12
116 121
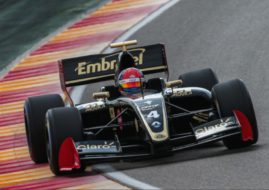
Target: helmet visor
131 83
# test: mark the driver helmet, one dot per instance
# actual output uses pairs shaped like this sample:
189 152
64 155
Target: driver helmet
130 81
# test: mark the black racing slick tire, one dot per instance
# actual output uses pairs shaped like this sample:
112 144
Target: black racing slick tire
35 109
233 95
61 124
204 78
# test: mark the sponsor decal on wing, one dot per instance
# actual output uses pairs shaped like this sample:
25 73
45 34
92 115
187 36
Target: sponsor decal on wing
178 92
107 62
97 146
101 67
215 127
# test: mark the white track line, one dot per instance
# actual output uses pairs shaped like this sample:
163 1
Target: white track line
108 170
144 22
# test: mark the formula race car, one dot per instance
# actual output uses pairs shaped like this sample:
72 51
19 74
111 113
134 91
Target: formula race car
135 117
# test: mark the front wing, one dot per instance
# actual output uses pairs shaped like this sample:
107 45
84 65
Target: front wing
111 150
104 150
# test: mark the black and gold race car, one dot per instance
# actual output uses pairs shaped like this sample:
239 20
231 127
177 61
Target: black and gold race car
166 117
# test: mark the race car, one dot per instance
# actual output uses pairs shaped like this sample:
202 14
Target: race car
135 117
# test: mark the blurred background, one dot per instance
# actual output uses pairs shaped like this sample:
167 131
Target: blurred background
24 23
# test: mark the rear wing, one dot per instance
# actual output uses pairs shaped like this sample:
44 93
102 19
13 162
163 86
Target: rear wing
101 67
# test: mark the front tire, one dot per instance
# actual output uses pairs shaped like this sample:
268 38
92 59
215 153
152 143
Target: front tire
61 124
233 95
35 109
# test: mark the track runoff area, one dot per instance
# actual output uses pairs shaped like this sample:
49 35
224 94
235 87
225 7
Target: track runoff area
37 74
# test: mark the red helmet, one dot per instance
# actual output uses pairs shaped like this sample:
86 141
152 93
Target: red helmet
130 81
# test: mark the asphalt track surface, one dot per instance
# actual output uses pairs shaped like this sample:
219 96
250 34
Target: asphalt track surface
232 38
24 23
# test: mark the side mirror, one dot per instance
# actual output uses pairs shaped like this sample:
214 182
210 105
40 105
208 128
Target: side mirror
100 95
174 83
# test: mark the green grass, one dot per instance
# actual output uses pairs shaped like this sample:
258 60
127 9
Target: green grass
25 22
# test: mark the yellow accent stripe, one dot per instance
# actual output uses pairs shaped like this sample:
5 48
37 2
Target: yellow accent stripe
64 54
29 82
98 185
10 130
88 79
89 30
128 4
12 107
111 75
15 178
14 153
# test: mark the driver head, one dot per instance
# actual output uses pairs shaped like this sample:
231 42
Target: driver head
130 81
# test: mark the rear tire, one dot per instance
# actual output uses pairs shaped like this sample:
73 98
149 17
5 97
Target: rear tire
204 78
62 123
35 109
233 95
